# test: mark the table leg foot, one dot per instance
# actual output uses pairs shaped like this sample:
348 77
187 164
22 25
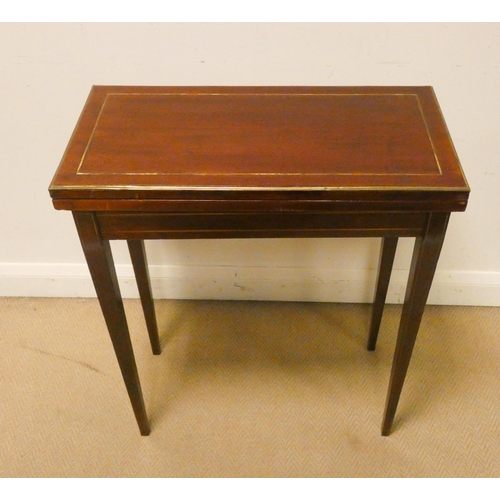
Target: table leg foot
387 253
424 261
140 265
100 262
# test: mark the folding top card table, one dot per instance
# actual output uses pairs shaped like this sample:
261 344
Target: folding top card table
260 162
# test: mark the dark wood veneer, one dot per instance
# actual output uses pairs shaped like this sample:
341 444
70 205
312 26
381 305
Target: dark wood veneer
259 162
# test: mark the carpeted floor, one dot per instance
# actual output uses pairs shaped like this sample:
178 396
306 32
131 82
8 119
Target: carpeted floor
246 389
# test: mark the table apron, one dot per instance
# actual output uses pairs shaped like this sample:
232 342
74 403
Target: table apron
147 225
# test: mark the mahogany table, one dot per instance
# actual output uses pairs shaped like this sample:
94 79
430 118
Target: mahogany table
260 162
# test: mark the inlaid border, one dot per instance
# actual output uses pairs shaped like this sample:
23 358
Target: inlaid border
252 174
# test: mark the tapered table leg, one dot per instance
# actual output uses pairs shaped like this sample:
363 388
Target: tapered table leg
387 253
424 261
100 262
140 264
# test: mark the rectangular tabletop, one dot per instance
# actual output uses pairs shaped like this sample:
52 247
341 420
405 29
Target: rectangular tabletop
384 147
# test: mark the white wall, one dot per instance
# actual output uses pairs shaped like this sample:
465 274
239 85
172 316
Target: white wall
47 72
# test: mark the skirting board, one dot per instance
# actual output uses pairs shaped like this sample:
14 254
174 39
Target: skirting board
250 283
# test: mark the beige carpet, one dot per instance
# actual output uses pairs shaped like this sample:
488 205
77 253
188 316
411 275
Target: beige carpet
246 389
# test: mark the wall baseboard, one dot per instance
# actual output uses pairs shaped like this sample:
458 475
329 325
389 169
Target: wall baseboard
249 283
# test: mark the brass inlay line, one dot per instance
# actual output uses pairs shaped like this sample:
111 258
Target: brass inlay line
257 188
428 134
92 134
270 174
251 173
